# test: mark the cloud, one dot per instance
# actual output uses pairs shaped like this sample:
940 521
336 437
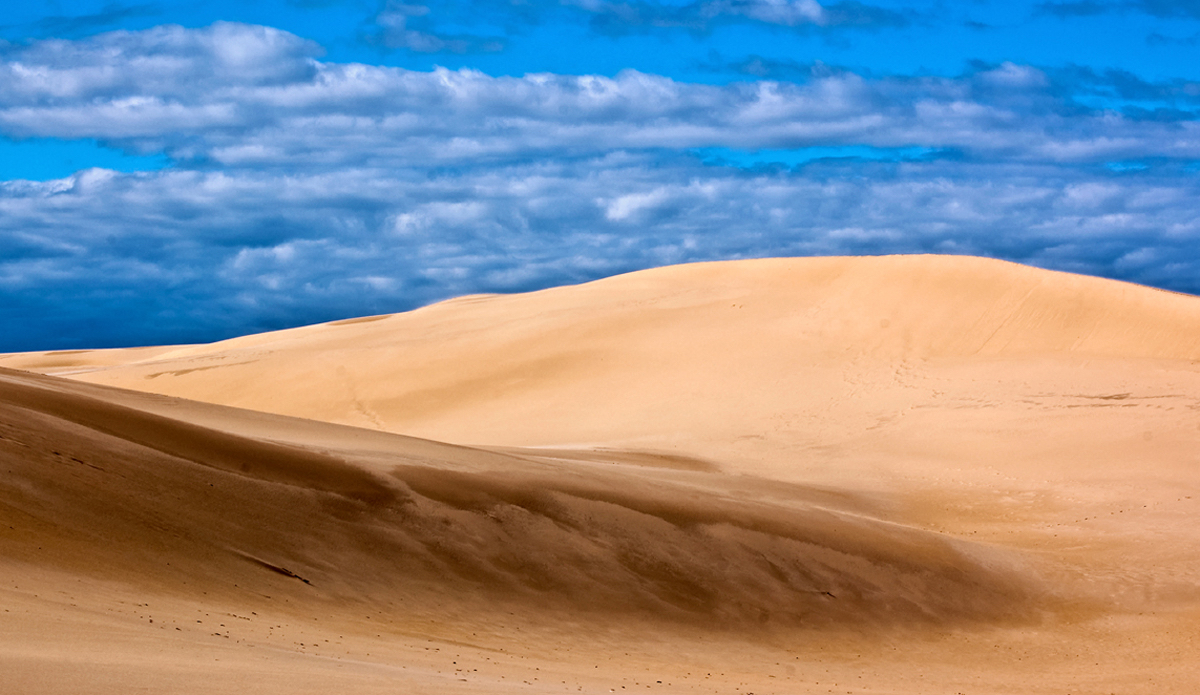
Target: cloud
407 26
787 13
1175 100
856 14
197 255
762 67
253 97
305 190
167 62
618 17
481 26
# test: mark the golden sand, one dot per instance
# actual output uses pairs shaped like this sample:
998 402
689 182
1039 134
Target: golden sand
902 474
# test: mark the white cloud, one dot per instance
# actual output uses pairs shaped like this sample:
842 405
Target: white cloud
253 96
623 207
1012 76
249 250
305 191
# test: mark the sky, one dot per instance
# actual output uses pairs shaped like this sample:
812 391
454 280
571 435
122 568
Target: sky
187 171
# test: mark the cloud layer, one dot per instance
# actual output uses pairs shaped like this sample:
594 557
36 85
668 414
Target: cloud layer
306 190
419 27
253 96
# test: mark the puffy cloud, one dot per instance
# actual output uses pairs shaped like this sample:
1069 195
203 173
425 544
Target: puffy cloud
305 190
187 68
190 255
256 97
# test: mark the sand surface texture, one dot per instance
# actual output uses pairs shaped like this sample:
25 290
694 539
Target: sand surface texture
871 475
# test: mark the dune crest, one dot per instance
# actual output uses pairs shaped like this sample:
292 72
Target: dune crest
693 340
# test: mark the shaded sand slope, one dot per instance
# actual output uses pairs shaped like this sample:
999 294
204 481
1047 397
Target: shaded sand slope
123 491
152 543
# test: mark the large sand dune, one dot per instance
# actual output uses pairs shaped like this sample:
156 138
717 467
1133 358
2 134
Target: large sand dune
898 474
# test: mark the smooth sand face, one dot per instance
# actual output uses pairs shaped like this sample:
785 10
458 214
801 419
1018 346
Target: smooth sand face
898 474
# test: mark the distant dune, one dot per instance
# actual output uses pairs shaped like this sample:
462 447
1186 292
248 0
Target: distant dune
892 474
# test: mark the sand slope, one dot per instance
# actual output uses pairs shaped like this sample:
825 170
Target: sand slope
883 473
611 538
722 350
116 502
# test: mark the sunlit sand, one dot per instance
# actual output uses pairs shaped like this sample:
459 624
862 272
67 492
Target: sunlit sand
903 474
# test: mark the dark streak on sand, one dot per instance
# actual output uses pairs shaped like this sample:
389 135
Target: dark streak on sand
274 568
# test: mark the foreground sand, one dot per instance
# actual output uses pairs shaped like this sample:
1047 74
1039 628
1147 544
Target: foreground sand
900 474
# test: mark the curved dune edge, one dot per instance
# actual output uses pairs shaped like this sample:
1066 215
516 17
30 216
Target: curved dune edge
127 483
683 350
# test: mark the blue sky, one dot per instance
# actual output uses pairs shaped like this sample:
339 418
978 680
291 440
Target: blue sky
188 171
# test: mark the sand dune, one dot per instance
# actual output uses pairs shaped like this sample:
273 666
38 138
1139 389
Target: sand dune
892 474
678 349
